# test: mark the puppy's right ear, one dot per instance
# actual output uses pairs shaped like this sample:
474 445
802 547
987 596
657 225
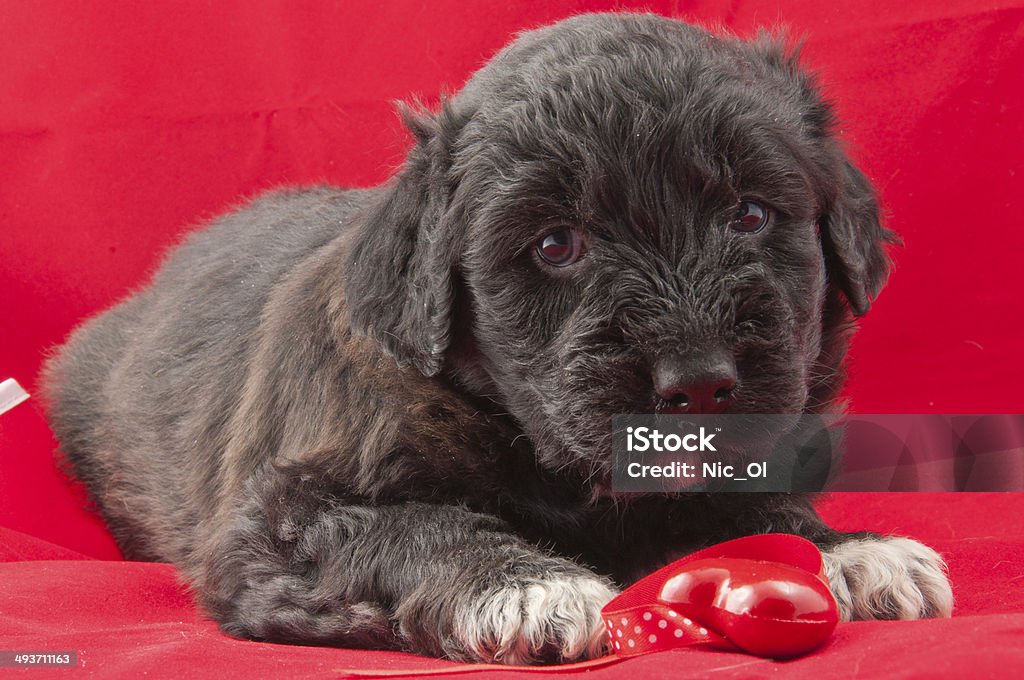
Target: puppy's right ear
854 240
400 270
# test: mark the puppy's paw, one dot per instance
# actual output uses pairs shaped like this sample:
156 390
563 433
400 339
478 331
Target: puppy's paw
534 621
888 578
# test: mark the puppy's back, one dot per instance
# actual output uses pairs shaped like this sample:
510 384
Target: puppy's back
140 395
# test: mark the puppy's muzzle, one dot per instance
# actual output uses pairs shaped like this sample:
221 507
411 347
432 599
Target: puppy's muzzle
686 385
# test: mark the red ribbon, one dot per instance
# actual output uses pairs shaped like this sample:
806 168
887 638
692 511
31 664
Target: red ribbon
766 595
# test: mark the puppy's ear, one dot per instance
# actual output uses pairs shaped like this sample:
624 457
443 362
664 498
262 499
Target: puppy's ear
399 272
854 240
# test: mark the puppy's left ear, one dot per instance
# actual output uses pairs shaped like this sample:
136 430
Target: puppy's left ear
854 240
399 273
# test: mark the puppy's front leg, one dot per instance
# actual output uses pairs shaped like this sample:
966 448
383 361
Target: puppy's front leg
430 579
886 577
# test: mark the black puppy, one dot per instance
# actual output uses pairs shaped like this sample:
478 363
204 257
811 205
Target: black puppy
381 418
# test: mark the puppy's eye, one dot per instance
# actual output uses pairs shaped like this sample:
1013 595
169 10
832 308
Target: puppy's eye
750 217
561 248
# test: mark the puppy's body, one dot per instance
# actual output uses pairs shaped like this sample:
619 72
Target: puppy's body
245 418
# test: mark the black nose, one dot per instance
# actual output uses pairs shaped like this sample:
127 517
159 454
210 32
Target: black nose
686 385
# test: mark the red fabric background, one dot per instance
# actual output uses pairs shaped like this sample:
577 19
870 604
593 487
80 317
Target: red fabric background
121 127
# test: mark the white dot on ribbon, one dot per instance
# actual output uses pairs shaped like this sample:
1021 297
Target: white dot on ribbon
672 613
631 643
662 624
619 632
617 645
610 625
637 629
703 631
652 638
624 621
647 616
688 622
678 633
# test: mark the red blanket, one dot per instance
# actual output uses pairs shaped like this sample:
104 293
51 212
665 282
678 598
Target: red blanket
121 126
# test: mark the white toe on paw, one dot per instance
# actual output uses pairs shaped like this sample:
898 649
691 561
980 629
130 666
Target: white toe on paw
557 619
888 578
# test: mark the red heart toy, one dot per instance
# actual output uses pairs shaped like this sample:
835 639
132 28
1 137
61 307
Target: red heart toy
765 595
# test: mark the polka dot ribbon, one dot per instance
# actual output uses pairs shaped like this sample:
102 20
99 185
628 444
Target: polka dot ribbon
765 595
654 628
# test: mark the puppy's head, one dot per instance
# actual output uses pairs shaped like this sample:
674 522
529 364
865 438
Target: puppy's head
624 214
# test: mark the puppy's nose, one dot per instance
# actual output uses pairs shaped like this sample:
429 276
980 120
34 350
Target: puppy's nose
686 385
